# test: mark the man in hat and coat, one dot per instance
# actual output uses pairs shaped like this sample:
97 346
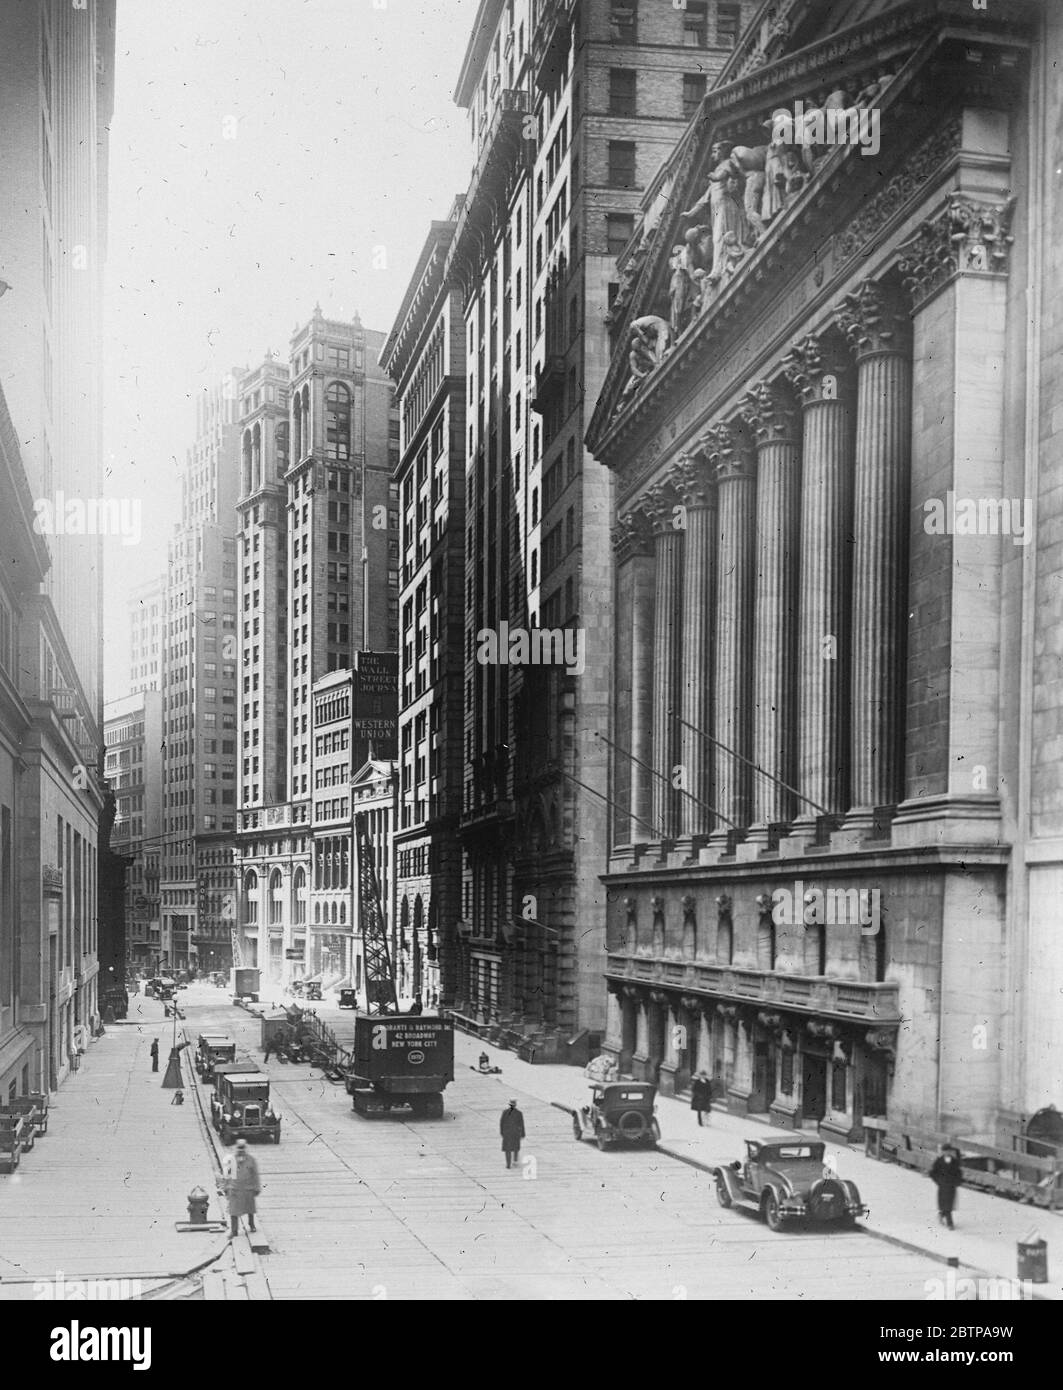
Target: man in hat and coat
947 1173
241 1185
701 1095
511 1127
154 1050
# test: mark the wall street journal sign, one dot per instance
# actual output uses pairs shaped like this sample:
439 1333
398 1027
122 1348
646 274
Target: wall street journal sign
376 699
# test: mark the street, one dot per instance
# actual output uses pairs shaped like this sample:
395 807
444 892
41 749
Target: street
389 1208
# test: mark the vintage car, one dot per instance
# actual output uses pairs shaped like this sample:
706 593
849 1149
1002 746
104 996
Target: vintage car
348 998
787 1180
619 1112
160 987
211 1049
312 989
240 1106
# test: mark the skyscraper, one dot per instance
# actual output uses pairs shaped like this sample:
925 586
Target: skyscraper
319 578
199 673
571 108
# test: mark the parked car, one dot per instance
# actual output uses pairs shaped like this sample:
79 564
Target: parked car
348 998
787 1180
619 1112
211 1049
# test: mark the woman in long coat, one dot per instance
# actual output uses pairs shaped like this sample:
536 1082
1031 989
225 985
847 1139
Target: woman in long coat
241 1185
701 1095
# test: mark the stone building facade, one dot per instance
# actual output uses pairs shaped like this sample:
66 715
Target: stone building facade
572 106
835 747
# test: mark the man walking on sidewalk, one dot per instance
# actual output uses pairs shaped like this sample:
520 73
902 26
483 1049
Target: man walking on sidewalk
701 1095
241 1185
947 1173
155 1054
512 1129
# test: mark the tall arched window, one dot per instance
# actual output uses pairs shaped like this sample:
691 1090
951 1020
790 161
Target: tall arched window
245 471
815 948
256 457
308 433
299 898
337 423
297 428
250 897
276 901
280 443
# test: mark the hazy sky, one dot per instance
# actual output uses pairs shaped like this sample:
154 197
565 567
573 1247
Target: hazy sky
266 155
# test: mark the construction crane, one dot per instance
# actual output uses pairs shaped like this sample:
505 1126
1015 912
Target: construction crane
380 994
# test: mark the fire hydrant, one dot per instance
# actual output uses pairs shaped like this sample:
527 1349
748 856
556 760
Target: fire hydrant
198 1201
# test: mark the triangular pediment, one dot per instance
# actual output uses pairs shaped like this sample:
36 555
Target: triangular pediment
728 204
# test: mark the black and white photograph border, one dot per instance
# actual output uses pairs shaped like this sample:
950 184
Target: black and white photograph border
531 676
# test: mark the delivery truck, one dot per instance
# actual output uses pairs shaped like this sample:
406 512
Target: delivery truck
401 1060
244 982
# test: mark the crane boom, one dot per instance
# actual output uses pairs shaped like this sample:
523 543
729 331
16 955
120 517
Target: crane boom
379 978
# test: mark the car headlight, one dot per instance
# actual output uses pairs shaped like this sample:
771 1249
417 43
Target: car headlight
237 1112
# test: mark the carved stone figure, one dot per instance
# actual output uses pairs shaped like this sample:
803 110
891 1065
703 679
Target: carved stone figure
681 288
723 198
650 336
749 160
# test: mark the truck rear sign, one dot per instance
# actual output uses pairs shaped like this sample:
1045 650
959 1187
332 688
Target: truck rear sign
402 1034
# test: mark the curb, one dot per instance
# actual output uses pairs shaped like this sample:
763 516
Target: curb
949 1260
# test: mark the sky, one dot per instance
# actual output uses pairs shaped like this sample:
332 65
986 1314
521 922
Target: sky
265 156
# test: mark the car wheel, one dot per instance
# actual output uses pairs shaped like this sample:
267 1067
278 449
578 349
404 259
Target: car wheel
771 1212
722 1194
577 1129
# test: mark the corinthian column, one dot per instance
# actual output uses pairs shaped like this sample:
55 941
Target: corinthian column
769 410
879 333
732 456
633 792
818 369
661 505
696 486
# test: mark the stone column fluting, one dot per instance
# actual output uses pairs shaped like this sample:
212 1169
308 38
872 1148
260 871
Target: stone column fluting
731 452
661 505
633 547
878 330
819 369
770 411
696 486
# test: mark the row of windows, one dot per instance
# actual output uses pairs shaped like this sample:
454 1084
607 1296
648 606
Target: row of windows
623 92
694 17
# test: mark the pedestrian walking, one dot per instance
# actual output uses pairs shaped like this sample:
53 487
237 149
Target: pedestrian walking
947 1173
155 1054
241 1185
701 1095
417 1007
511 1127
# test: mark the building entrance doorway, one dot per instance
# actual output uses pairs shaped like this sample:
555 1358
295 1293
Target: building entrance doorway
813 1088
763 1076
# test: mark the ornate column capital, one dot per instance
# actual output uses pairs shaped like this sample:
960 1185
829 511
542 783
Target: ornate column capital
729 450
695 479
768 409
966 237
632 536
874 321
658 504
816 367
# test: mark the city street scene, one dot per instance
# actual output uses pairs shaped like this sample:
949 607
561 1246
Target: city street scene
531 658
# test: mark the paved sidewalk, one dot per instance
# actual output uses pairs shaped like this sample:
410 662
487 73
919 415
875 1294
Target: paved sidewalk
98 1195
903 1203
